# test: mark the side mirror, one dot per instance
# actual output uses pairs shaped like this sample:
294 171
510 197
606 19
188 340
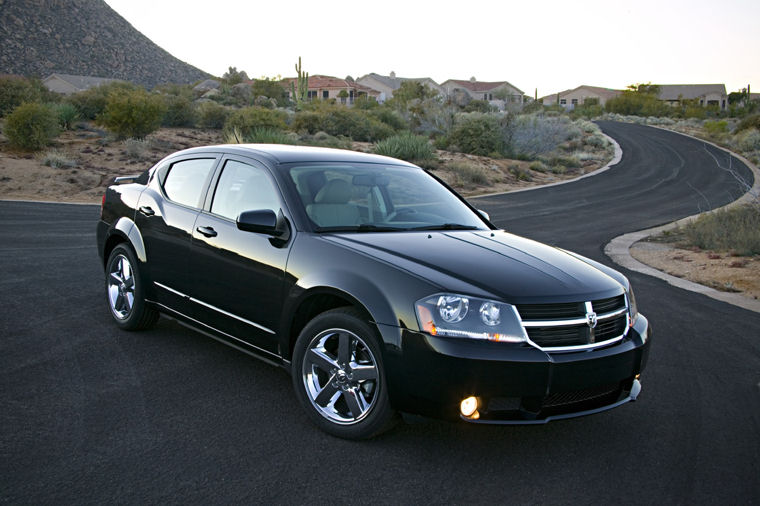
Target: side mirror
484 215
262 221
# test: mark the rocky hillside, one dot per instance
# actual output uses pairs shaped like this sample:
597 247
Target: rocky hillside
82 37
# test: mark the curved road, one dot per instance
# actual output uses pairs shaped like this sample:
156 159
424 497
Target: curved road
89 414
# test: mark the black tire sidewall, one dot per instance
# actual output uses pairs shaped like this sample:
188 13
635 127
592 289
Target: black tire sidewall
381 414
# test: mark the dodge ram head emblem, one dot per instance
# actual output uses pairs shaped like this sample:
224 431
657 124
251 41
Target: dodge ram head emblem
591 319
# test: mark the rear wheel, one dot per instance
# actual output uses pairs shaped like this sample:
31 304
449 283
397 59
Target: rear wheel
125 291
338 375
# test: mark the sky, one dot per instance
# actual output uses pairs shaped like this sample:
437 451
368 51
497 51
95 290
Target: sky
542 45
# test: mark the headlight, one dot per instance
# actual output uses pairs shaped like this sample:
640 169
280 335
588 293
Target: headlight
453 315
632 307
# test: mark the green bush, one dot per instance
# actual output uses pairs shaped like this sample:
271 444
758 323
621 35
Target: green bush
251 118
31 126
478 134
67 114
565 161
180 112
406 146
211 115
390 117
14 91
133 113
341 121
752 121
713 128
260 135
92 102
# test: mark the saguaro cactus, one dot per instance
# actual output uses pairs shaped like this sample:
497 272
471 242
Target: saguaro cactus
299 89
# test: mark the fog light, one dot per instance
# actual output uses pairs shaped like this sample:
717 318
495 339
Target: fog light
468 406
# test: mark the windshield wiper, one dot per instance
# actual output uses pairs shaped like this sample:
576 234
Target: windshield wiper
447 226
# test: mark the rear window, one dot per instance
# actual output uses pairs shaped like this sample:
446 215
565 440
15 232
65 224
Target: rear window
186 179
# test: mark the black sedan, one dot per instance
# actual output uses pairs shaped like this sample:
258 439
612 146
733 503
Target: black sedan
373 283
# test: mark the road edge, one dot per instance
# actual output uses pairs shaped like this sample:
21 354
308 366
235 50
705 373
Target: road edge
618 249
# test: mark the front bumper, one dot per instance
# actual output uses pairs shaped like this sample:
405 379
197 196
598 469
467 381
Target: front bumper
514 384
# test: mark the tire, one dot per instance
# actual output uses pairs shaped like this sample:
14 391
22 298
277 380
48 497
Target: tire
125 292
338 375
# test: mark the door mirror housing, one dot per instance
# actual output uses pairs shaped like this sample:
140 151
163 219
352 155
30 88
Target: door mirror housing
263 221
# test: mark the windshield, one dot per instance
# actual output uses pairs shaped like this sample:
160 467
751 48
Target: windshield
376 198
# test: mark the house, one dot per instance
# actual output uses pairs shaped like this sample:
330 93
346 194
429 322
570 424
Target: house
386 85
500 93
327 87
581 95
67 84
705 94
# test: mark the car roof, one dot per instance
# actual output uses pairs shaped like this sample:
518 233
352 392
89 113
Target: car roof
284 153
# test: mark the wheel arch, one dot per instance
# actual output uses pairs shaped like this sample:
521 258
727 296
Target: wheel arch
125 230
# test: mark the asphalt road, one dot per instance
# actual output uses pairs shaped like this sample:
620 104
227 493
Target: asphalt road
90 414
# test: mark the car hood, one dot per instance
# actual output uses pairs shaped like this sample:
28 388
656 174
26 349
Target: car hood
513 268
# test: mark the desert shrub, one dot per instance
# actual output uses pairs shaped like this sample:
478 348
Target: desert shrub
211 115
532 136
260 135
14 91
66 113
341 121
390 117
92 102
713 128
251 118
31 126
406 146
749 140
479 106
180 112
478 134
747 123
133 113
596 141
358 125
58 160
538 166
736 229
137 149
519 173
569 162
468 175
307 122
325 140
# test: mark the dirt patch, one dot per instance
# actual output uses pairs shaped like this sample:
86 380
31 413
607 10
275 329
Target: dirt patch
720 270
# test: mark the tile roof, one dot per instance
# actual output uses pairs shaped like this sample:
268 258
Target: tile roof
689 91
481 86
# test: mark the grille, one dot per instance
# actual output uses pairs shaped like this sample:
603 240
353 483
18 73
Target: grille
578 396
565 325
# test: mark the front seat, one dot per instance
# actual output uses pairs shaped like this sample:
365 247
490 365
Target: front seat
331 207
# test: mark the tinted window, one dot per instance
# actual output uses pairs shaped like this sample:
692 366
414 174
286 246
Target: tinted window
186 179
243 188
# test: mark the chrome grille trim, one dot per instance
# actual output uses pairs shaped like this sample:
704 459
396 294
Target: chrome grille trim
606 322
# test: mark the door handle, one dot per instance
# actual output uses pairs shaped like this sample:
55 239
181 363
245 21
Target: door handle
206 231
147 211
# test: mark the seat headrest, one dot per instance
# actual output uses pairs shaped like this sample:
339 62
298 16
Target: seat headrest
336 191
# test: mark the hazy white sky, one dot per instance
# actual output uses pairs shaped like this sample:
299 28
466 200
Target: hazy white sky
551 45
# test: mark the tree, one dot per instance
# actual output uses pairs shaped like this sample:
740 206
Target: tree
270 88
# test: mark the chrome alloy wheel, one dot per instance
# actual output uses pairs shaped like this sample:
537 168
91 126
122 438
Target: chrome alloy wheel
121 287
341 376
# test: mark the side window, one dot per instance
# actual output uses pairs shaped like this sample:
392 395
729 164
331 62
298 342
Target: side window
241 188
186 179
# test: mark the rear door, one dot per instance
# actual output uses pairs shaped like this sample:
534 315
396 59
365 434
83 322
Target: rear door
238 277
166 213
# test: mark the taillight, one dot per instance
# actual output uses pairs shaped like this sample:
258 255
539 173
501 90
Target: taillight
102 204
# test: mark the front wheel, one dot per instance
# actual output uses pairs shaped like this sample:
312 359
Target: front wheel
125 291
338 375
